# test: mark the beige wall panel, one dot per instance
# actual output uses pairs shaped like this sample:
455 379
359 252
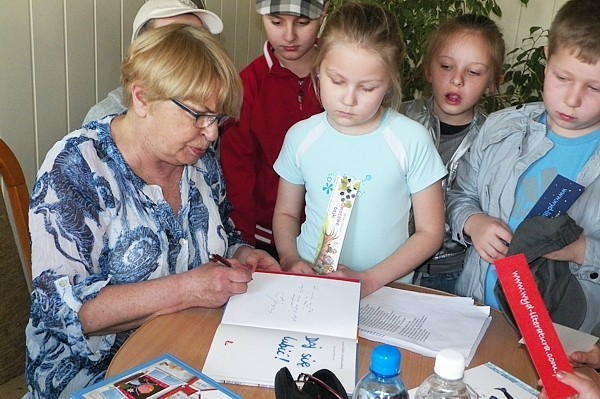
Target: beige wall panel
16 85
243 32
130 8
49 72
537 13
256 34
109 39
80 49
509 23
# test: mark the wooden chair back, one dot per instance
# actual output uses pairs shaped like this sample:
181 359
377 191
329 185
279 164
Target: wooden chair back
14 300
18 195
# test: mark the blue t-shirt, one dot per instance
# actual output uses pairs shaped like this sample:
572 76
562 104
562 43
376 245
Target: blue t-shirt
393 162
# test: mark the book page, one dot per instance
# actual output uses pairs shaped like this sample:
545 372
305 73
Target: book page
300 303
423 323
252 356
573 340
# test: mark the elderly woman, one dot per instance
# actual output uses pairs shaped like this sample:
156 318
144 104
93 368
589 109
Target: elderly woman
126 212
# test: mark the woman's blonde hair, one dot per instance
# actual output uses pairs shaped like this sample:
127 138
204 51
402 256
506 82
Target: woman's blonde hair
182 62
371 27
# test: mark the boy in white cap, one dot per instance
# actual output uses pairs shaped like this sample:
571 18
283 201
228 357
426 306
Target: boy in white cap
278 92
154 14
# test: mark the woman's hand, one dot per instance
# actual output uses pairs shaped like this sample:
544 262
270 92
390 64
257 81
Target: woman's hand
125 306
490 236
211 285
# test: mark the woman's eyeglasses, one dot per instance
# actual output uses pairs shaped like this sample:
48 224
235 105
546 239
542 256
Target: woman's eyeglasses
203 120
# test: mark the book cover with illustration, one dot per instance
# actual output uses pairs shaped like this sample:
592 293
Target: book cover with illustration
165 377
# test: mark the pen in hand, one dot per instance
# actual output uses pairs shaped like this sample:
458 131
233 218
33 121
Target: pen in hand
223 261
220 259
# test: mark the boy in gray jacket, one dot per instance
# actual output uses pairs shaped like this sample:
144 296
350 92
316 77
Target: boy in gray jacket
520 150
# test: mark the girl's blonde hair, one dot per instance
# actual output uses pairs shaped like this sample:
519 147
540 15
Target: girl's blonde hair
182 62
370 27
480 25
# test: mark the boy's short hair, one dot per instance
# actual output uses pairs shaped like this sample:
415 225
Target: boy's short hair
311 9
576 26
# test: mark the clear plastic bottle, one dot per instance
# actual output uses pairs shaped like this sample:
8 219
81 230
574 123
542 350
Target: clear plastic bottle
447 380
383 381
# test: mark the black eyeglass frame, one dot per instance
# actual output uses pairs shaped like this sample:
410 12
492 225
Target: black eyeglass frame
304 377
208 119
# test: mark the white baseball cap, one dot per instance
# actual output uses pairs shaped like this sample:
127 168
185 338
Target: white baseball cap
152 9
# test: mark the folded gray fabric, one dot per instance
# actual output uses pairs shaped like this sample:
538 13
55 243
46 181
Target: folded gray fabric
560 289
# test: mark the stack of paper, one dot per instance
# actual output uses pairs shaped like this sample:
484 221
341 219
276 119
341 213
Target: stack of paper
423 323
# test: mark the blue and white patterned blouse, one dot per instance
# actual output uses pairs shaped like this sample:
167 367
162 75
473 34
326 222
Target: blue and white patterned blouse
93 222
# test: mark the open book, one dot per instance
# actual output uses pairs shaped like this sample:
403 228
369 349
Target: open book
165 377
302 322
423 323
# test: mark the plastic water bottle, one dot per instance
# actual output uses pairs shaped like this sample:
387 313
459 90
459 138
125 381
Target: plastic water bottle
447 380
383 381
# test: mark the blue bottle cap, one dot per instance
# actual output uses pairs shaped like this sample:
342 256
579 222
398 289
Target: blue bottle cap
385 361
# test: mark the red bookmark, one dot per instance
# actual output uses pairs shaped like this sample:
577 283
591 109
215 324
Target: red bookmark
534 323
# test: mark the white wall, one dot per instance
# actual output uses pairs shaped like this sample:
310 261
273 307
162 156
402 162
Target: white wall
59 57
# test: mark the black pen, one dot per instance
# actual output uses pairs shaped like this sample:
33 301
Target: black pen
219 259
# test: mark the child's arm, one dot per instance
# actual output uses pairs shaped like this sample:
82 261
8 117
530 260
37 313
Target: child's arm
466 206
286 226
574 252
428 209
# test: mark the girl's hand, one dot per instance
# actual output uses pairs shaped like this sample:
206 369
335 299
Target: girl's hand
297 266
366 287
257 259
490 236
345 272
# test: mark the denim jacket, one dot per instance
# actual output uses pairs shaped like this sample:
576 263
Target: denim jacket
486 181
421 110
